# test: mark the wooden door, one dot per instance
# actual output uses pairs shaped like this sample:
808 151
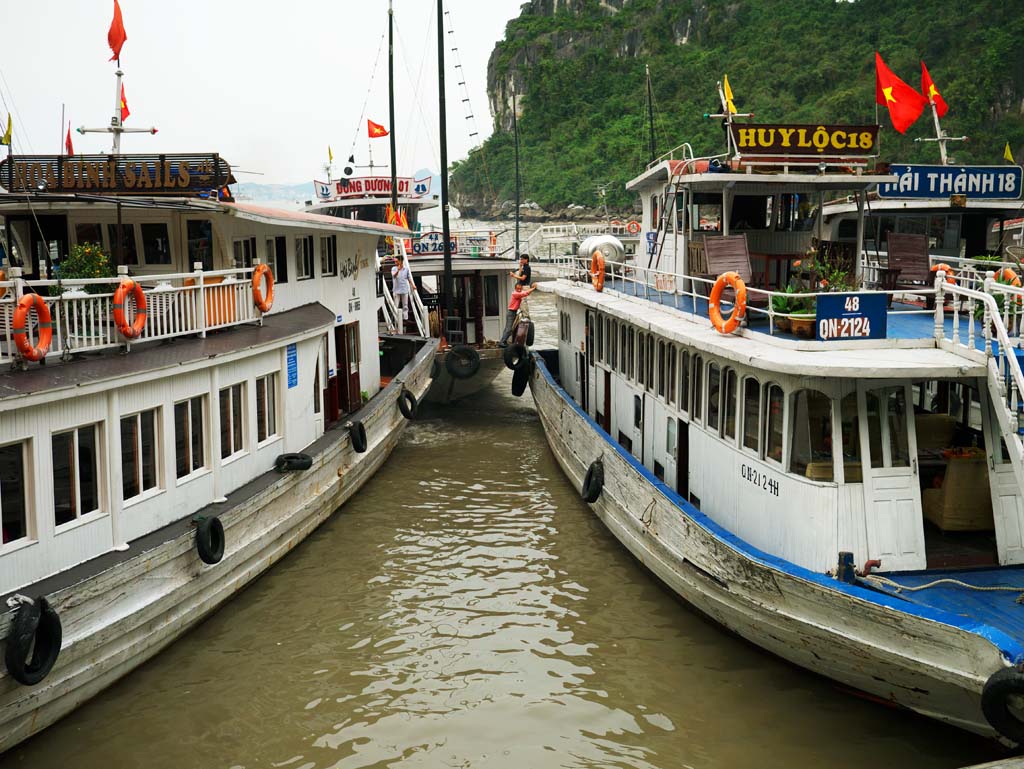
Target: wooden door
607 423
346 340
683 459
584 378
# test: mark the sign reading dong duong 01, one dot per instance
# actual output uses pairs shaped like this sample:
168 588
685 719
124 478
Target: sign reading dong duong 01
978 182
806 140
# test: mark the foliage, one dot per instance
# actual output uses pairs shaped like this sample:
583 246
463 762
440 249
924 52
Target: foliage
1014 310
580 76
86 260
790 300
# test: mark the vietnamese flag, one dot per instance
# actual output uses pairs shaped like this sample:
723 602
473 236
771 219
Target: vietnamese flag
904 103
116 35
931 93
125 112
375 130
68 146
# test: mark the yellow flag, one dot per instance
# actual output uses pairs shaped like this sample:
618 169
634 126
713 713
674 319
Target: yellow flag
6 138
330 155
1007 155
728 96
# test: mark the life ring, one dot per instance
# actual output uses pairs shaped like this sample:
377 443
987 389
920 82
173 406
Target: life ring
134 330
593 482
633 227
3 289
286 463
210 539
515 356
1008 276
36 628
995 702
739 309
950 277
616 223
407 404
521 377
25 304
357 433
263 304
462 361
597 271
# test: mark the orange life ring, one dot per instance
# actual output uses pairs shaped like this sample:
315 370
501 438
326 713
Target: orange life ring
633 227
1009 276
597 270
134 330
25 304
262 304
739 309
616 223
950 277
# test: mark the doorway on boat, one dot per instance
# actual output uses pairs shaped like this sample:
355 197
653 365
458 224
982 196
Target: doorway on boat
959 529
40 242
346 348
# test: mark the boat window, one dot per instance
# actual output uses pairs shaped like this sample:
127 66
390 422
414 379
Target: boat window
128 254
641 368
588 329
277 258
698 386
623 348
266 407
650 361
231 434
632 354
774 417
671 445
662 373
138 453
671 366
304 256
896 416
89 233
156 243
328 255
200 243
189 446
244 252
810 452
852 472
75 474
654 212
600 339
492 303
13 500
613 343
730 403
638 411
751 413
714 385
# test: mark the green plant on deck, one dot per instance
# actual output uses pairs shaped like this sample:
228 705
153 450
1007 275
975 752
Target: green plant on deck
85 261
1015 310
364 395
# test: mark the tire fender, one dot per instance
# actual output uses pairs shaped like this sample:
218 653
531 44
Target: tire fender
357 433
210 539
407 404
995 702
593 482
36 628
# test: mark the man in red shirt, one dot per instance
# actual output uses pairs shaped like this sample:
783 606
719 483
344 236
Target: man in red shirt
513 309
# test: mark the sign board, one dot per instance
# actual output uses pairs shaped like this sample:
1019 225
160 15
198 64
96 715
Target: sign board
292 357
433 243
652 243
850 316
179 175
371 187
975 182
791 140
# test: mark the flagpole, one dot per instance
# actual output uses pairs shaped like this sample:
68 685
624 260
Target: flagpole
515 139
940 137
391 110
61 150
445 228
115 122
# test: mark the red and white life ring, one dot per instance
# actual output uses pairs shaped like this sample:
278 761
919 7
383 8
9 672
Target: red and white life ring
633 228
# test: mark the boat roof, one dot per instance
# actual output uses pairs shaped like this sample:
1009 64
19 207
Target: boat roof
995 207
432 264
754 182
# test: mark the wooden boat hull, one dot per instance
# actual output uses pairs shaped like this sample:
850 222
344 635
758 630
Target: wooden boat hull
447 389
120 617
929 661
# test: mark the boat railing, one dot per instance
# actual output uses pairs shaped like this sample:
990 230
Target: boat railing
82 310
389 308
420 314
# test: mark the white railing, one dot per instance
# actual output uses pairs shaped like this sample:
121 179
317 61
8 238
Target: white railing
178 304
389 308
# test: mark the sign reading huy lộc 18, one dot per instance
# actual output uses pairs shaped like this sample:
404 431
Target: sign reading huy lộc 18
850 316
977 182
806 140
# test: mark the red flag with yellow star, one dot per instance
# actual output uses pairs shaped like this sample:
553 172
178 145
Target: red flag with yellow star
125 112
375 129
931 93
904 103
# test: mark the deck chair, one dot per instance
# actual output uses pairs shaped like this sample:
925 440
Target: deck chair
908 263
728 253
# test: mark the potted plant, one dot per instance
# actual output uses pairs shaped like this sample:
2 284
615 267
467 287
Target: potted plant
1012 313
86 261
783 304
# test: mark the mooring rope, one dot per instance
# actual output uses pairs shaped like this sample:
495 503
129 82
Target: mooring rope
880 580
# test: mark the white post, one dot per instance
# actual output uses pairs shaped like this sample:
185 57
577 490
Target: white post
115 121
201 305
986 330
938 132
940 301
858 267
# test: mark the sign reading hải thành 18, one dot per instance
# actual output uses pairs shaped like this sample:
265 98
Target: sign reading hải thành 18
850 316
183 175
977 182
806 140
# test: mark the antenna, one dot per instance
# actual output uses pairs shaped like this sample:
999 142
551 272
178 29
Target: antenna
115 126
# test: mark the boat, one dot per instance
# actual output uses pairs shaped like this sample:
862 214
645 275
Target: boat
851 500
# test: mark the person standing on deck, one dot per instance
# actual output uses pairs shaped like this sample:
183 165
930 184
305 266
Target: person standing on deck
524 276
518 296
402 286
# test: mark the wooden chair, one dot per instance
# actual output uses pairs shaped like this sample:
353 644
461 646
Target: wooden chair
728 253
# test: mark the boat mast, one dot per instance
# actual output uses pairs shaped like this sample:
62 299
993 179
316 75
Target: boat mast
650 111
515 134
391 111
445 228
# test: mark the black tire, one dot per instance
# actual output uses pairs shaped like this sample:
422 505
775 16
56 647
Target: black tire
210 540
515 355
529 334
593 482
462 362
289 463
521 378
407 404
357 432
36 628
995 702
435 368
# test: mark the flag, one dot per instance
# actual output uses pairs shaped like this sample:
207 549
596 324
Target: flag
330 155
68 146
931 93
1007 155
375 129
116 35
729 106
125 112
904 103
6 138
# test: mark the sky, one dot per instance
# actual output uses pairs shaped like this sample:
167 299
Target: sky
267 84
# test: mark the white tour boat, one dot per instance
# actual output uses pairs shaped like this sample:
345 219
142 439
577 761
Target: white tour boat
852 498
170 432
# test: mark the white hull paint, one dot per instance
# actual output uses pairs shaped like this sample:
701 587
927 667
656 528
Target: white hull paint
119 618
916 659
447 389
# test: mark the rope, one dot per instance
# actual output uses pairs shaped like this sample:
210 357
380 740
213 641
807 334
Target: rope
897 587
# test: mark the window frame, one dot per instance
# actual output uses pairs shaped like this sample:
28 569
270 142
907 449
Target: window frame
204 466
139 459
167 238
99 471
27 498
766 421
271 390
328 256
742 431
304 257
241 400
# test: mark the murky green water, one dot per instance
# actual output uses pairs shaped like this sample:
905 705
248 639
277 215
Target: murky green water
467 610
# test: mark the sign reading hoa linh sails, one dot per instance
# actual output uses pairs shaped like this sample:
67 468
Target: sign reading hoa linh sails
976 182
806 141
371 187
180 175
